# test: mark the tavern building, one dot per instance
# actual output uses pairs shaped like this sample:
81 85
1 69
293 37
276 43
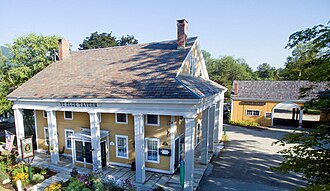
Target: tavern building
146 103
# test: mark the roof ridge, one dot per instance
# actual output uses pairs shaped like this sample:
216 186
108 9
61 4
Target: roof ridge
129 45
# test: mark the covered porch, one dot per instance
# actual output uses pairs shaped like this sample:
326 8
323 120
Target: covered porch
110 172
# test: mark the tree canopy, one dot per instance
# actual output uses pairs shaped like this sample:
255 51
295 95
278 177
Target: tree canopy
311 154
104 40
312 46
226 69
266 72
31 54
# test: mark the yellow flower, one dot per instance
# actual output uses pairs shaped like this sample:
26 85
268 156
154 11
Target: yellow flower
54 187
21 176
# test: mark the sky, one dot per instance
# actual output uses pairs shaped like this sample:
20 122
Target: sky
256 31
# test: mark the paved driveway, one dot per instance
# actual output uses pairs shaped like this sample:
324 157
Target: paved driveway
244 163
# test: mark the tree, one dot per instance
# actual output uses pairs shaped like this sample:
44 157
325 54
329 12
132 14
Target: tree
31 54
127 40
3 59
311 154
227 69
298 64
97 40
104 40
266 72
317 48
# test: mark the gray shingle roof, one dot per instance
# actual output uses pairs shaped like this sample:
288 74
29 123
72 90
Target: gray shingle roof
142 71
274 90
199 86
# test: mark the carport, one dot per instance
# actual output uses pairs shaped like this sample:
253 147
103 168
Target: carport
293 107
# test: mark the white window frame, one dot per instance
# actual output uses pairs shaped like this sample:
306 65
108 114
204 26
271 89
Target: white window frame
118 122
66 138
75 152
253 110
158 146
268 113
46 128
99 115
68 118
43 114
125 137
151 124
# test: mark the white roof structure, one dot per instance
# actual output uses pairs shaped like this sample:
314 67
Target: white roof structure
85 134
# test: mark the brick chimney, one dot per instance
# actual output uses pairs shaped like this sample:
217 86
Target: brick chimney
182 33
63 48
235 88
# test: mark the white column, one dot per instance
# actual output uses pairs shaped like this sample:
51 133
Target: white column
221 103
53 137
172 135
211 128
36 128
19 125
96 140
73 148
108 150
189 155
140 173
205 136
216 123
301 114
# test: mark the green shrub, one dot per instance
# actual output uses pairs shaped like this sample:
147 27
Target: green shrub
3 166
18 168
44 171
37 178
312 111
244 123
74 184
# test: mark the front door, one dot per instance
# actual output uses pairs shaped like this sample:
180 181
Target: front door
177 153
103 154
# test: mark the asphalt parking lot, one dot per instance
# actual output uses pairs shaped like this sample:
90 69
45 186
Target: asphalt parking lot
245 161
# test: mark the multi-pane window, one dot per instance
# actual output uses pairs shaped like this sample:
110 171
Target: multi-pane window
83 150
68 115
121 118
152 150
68 133
153 120
250 112
121 146
46 136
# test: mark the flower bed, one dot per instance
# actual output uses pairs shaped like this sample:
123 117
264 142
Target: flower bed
90 182
11 171
93 182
